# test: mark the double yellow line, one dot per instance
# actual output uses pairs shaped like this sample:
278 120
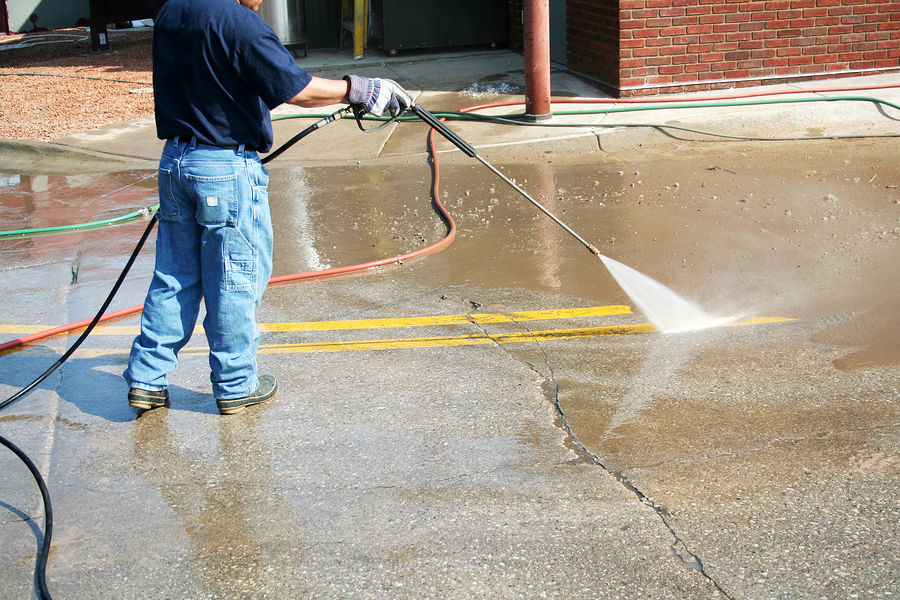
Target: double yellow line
470 339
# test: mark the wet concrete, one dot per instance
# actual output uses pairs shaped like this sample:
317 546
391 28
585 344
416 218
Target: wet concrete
438 434
731 434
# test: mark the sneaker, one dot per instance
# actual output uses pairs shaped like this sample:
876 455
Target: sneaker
268 385
148 399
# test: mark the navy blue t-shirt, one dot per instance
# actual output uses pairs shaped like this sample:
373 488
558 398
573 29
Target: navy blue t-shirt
218 69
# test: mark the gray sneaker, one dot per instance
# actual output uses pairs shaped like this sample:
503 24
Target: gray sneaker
268 386
148 399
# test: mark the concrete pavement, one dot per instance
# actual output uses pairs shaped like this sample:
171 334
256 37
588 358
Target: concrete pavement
490 421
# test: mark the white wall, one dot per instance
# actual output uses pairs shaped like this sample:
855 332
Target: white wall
52 14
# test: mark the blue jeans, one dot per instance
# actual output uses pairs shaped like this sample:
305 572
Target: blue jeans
214 241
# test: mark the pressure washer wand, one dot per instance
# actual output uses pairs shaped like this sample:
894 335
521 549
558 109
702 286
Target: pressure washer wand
470 151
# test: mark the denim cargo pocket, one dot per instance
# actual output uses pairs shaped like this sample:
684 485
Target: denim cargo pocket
216 197
240 262
169 208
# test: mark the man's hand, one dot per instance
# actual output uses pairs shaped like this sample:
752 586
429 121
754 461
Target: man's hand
378 95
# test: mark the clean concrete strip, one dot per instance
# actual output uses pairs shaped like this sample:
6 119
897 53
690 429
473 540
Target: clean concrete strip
52 158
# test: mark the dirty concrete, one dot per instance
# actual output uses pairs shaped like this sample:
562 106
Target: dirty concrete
436 435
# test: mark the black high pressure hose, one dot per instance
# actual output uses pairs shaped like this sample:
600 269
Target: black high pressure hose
40 574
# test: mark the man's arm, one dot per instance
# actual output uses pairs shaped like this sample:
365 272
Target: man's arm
322 92
376 96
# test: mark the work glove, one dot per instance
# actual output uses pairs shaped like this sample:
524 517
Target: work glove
378 95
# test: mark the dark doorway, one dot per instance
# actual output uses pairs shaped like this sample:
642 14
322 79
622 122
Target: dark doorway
323 21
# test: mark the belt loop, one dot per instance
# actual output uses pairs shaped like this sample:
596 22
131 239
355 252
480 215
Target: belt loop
240 149
193 142
175 139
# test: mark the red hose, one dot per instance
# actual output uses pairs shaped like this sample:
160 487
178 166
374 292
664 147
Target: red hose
451 234
446 241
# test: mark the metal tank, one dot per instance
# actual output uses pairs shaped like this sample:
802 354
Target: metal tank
287 18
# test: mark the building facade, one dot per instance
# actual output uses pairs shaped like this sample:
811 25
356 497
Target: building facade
651 47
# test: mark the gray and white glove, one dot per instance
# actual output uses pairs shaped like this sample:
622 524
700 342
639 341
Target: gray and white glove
378 95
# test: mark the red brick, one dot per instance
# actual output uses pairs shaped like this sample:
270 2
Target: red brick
657 42
737 18
658 61
631 64
699 48
763 53
644 52
815 31
714 38
751 45
671 50
752 26
684 59
722 66
867 9
673 31
737 55
686 77
876 55
711 57
825 59
752 7
699 29
672 11
638 43
815 13
699 10
800 60
800 23
725 28
672 70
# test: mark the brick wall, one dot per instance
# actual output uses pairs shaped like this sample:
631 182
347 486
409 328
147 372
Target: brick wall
594 41
665 46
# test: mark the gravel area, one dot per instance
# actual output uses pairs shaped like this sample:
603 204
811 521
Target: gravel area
52 85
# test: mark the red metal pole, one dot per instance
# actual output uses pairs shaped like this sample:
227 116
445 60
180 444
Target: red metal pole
537 59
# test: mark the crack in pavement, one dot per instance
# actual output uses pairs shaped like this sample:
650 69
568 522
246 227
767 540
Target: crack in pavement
679 549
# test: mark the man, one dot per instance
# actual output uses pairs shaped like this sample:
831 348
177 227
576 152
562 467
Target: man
218 70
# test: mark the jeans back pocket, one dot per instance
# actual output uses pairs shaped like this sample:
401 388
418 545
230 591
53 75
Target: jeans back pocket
216 197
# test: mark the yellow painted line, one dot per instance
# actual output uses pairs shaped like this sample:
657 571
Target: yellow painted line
479 319
480 338
474 339
461 340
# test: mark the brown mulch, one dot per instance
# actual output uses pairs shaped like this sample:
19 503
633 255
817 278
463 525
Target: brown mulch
58 87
